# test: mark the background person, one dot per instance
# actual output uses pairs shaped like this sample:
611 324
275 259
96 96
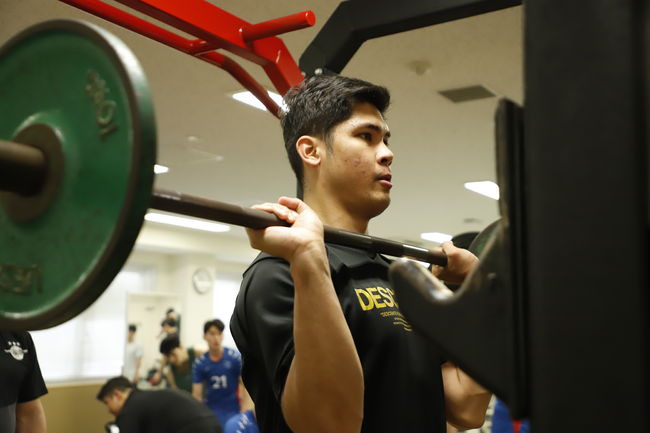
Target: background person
132 356
158 411
180 361
216 375
242 423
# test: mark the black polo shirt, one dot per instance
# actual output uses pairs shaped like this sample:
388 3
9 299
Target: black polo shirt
20 375
165 411
402 376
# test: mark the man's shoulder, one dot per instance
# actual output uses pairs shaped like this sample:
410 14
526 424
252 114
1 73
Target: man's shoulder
266 276
200 356
264 262
231 353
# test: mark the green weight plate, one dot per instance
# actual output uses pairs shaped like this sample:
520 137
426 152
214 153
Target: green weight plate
77 92
482 238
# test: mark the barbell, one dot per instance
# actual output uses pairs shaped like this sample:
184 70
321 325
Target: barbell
77 151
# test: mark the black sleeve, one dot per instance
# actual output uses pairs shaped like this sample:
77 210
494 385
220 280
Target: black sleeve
129 423
131 417
33 385
269 292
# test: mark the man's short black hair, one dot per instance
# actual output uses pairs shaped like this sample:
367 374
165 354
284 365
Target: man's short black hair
216 323
169 343
318 104
132 327
119 383
168 322
170 310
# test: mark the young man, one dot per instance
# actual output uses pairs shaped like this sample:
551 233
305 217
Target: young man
216 374
168 326
21 385
160 411
324 345
132 356
180 360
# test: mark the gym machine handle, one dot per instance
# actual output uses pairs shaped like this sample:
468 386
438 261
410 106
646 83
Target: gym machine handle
22 167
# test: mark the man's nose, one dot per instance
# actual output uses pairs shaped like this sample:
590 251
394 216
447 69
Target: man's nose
386 156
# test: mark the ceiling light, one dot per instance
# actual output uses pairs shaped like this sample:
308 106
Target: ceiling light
436 237
250 99
486 188
160 169
189 223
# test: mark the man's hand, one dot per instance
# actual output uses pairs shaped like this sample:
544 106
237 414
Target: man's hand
460 262
304 235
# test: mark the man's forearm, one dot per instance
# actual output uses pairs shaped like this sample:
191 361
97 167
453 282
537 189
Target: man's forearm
30 417
466 401
197 391
324 388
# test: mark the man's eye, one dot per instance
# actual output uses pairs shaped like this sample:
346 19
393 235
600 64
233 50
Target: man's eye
366 136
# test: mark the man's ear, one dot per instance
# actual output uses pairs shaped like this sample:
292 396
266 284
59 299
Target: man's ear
310 149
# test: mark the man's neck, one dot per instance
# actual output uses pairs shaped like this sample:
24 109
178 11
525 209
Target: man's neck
333 214
215 354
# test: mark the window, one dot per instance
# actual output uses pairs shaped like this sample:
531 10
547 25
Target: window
92 344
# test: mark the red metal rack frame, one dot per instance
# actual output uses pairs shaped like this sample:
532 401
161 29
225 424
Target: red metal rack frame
215 29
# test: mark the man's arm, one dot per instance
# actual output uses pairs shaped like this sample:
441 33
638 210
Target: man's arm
245 400
318 324
197 391
158 375
136 376
465 400
170 378
30 417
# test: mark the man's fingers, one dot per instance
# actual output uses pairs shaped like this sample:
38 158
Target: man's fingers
279 210
437 270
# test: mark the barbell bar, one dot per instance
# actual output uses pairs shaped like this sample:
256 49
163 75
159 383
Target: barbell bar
77 149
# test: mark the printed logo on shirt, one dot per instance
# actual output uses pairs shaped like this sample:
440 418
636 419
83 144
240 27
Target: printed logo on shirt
381 298
15 350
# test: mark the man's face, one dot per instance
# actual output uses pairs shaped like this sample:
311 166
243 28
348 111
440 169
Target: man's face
177 356
213 337
114 402
357 167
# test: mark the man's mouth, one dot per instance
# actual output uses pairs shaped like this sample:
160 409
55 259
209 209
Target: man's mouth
385 180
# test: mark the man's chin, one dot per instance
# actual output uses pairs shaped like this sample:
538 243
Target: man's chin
378 206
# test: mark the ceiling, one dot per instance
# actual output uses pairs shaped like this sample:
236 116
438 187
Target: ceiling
222 149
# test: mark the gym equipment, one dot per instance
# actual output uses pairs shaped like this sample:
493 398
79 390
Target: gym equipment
77 159
356 21
77 95
490 344
215 29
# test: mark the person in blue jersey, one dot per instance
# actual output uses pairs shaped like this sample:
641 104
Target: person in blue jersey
216 375
242 423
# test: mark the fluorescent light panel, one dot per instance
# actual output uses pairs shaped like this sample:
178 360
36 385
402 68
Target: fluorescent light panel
160 169
436 237
250 99
189 223
486 188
